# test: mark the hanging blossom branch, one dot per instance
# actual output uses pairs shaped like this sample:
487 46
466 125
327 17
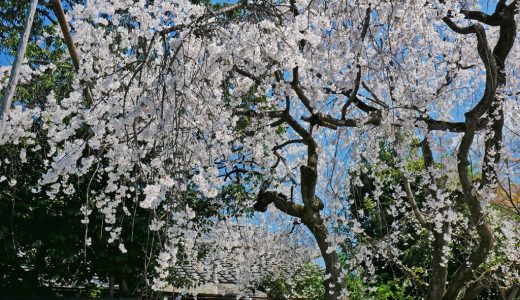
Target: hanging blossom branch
207 17
473 123
262 95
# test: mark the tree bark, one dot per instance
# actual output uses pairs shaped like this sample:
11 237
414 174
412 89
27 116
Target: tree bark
309 212
111 286
333 284
439 273
123 286
439 268
313 220
466 270
15 71
65 30
510 293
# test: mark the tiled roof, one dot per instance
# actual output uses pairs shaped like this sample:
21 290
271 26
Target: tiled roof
218 278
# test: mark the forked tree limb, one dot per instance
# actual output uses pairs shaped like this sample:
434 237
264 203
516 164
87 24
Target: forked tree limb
466 270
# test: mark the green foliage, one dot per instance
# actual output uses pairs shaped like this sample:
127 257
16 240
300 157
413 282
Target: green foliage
42 240
237 199
306 283
373 214
394 289
93 291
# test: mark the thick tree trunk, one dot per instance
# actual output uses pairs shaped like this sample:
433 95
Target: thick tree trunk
15 71
111 286
333 284
439 271
510 293
309 212
123 286
311 217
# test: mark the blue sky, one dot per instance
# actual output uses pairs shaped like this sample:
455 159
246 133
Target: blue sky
6 59
487 5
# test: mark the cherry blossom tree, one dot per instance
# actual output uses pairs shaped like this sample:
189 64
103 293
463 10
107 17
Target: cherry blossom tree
288 103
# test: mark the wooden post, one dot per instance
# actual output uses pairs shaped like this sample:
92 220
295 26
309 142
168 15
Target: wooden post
15 71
